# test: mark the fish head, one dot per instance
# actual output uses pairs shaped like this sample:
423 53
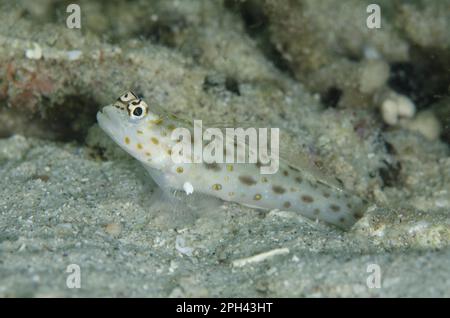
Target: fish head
126 121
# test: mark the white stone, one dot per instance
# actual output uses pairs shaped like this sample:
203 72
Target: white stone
34 53
425 123
396 106
188 188
389 112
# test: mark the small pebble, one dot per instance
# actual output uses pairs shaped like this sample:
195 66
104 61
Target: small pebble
113 229
34 53
188 188
426 124
396 106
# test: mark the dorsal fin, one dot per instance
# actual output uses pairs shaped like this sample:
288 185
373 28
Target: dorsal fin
291 155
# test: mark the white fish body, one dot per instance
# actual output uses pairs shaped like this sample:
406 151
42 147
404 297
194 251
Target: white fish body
146 135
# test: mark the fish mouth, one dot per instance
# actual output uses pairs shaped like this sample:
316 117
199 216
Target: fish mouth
108 121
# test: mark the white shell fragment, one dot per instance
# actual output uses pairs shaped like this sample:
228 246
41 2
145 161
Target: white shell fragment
260 257
34 53
188 188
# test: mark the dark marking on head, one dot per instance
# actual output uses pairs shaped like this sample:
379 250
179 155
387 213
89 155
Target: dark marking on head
342 220
307 198
248 180
127 97
316 211
299 179
326 194
285 173
287 204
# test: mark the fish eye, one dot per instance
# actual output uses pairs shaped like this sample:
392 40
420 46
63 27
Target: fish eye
137 109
